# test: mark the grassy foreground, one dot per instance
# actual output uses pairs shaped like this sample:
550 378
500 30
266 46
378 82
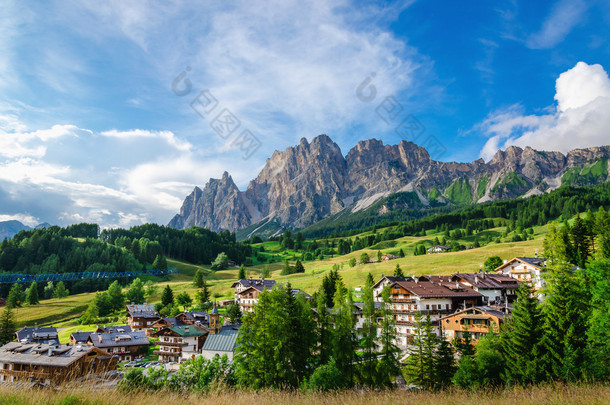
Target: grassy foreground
548 394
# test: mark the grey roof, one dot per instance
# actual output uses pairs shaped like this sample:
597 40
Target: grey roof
80 336
487 280
114 329
223 341
392 279
257 283
200 316
42 354
482 308
296 291
141 311
534 261
103 340
37 334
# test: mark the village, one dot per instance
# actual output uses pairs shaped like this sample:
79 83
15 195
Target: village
461 304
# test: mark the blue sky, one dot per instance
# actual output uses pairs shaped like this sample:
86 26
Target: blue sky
96 124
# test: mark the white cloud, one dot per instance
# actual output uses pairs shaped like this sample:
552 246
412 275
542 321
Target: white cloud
565 15
25 219
167 136
580 119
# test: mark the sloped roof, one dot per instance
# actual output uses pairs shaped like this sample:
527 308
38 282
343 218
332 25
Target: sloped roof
42 354
80 336
141 311
483 309
429 289
114 329
537 262
44 334
392 280
257 283
119 339
487 280
188 330
223 341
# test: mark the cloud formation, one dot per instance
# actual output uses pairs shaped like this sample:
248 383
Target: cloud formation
581 117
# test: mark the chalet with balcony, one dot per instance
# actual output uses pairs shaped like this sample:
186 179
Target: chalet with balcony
496 288
114 329
125 345
51 364
478 321
37 335
434 298
257 283
438 249
384 282
525 269
247 297
141 316
184 318
179 343
79 337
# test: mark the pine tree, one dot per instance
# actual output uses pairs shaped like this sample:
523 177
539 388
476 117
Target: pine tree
379 255
242 272
15 296
566 310
369 336
198 278
167 297
401 253
344 342
323 329
523 339
7 326
31 296
298 267
598 332
580 242
420 363
444 364
398 271
389 365
286 269
184 299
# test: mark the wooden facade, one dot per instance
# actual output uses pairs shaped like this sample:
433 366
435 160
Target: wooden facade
51 364
477 321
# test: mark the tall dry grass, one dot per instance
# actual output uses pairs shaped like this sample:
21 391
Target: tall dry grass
547 394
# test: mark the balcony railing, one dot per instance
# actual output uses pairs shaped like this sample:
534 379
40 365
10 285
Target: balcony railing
173 344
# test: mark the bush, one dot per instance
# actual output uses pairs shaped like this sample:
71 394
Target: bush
324 378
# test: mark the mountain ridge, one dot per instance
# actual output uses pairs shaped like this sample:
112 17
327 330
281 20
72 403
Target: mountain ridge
314 180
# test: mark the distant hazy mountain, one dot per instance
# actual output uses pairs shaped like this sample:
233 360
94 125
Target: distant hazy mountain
311 181
10 228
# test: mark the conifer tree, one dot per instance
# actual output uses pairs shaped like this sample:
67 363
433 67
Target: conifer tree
7 326
444 364
401 253
566 312
31 296
598 349
15 296
167 297
298 267
198 279
398 271
240 276
369 336
523 335
420 363
389 365
323 329
60 290
344 338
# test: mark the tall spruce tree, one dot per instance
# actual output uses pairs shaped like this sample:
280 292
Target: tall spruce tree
7 326
444 364
523 339
116 297
389 364
344 337
15 296
31 296
566 312
368 369
598 350
398 271
167 296
242 272
419 367
323 329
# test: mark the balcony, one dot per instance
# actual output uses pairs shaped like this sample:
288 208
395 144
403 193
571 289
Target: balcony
26 374
164 353
172 344
404 300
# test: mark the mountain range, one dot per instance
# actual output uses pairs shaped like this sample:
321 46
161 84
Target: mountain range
10 228
314 180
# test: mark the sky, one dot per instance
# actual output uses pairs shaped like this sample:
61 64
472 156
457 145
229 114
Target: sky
111 112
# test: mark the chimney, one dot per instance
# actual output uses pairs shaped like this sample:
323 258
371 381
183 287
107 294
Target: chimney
476 279
536 254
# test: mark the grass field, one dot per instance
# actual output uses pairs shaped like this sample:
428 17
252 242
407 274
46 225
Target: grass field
543 395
